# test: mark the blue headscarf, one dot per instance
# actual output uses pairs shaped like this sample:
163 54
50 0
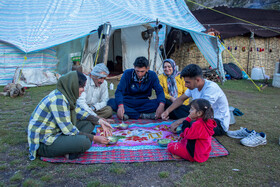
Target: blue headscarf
171 82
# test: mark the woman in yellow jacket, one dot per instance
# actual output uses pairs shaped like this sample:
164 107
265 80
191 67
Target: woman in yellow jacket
173 86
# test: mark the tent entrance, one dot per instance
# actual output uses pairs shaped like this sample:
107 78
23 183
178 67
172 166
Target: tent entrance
115 63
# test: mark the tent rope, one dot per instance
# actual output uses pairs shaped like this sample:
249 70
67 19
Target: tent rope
240 66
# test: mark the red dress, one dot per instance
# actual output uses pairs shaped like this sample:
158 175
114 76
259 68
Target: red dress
195 145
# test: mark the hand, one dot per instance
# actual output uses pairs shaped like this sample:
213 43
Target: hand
159 110
120 112
107 128
110 120
164 115
174 125
100 139
172 99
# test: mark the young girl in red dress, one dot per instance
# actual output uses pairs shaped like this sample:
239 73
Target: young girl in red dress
195 142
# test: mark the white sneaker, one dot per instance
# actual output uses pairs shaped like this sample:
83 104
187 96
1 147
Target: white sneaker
254 139
241 133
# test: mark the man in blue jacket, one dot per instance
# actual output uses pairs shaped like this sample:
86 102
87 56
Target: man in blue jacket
133 92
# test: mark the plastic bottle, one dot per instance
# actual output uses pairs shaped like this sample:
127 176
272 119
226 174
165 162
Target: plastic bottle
111 86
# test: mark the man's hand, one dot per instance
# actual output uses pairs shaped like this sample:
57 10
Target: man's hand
107 128
120 112
172 99
159 110
100 139
164 115
176 124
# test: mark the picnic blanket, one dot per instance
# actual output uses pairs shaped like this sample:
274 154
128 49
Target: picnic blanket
138 143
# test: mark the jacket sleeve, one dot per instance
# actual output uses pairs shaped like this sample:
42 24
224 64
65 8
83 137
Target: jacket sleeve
82 114
104 96
158 88
120 89
82 103
162 81
194 132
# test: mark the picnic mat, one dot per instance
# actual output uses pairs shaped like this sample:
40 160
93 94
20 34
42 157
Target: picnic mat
138 143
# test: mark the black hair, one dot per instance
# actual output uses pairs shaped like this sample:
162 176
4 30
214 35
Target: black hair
141 62
191 71
204 106
82 79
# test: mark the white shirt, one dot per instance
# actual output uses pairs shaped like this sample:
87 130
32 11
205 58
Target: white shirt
94 96
218 100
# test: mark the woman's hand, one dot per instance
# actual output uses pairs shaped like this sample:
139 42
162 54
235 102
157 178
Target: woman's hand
107 128
100 139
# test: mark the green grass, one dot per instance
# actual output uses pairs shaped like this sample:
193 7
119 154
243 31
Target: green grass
257 166
163 174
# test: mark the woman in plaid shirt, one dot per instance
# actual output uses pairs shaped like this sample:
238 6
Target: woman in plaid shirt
53 128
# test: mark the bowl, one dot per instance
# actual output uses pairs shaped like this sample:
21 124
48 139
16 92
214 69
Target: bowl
112 140
123 126
163 142
178 130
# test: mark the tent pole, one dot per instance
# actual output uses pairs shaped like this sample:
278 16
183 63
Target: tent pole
106 30
156 46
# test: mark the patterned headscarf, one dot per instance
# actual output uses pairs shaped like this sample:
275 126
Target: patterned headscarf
171 82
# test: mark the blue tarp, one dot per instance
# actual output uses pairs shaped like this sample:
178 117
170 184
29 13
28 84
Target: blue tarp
34 25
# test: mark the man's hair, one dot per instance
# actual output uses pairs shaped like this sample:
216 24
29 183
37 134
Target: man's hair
141 62
82 79
191 71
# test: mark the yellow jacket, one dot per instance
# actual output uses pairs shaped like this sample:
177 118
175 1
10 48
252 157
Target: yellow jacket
180 86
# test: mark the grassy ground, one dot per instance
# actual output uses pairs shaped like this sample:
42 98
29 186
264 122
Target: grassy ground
256 166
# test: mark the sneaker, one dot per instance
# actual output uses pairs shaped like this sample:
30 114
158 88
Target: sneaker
241 133
148 116
254 139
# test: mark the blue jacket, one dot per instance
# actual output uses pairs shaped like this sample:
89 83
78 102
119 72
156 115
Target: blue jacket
129 89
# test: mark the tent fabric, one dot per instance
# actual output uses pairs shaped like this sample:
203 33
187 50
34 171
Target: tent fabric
135 46
230 27
12 58
34 25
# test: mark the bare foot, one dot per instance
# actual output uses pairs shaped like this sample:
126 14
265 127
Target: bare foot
175 156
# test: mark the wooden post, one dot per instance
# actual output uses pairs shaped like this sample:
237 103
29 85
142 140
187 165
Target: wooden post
106 31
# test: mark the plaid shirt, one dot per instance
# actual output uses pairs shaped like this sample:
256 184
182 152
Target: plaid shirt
50 119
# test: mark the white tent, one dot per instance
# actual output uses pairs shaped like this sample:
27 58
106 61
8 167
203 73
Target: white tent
34 25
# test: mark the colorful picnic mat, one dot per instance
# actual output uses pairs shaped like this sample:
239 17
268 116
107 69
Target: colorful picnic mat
138 143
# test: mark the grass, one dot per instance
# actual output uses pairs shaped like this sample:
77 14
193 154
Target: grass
163 174
257 166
